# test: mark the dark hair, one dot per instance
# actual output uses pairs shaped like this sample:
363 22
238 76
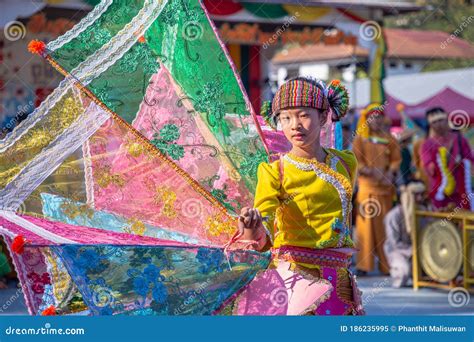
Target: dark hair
434 110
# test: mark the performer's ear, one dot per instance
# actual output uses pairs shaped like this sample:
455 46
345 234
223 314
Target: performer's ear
323 116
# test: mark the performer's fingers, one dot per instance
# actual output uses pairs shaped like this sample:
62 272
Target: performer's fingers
256 216
259 218
244 211
253 218
248 218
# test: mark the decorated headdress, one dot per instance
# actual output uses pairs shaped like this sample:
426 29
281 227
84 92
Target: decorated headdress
313 93
371 109
435 114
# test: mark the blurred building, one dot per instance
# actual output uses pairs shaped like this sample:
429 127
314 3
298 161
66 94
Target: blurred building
348 33
275 40
407 53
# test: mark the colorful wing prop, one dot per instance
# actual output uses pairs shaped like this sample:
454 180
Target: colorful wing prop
118 193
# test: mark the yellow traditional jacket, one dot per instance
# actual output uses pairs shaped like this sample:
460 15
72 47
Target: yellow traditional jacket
311 207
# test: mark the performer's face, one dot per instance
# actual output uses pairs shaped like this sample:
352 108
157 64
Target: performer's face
376 122
302 125
440 126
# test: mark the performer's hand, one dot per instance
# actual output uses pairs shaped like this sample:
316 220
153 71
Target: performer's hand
250 218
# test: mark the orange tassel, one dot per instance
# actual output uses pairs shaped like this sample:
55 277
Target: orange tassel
142 39
38 47
18 244
50 311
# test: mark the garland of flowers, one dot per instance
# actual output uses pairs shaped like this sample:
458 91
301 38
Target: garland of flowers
448 184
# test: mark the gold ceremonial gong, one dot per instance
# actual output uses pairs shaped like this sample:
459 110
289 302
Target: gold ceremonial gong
471 255
441 250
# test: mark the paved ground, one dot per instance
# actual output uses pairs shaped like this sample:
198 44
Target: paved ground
379 298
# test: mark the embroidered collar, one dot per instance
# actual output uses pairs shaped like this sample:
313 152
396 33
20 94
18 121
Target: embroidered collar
328 168
305 163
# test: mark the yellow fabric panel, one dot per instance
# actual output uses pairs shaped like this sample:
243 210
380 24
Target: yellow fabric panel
15 158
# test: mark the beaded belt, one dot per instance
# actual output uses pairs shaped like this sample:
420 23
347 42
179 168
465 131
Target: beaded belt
322 257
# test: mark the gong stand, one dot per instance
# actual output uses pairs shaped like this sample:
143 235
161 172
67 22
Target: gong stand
465 222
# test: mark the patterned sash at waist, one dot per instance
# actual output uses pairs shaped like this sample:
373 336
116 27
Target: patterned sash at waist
322 257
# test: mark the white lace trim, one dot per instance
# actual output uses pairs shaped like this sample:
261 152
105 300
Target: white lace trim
86 152
123 41
80 27
20 221
44 163
92 67
5 232
37 115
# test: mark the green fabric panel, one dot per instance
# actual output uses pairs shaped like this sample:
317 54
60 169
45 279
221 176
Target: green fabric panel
119 13
4 265
122 86
186 43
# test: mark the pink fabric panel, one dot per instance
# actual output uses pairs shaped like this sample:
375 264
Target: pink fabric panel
280 291
203 158
134 182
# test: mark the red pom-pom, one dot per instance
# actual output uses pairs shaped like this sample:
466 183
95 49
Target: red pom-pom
142 39
37 47
18 244
50 311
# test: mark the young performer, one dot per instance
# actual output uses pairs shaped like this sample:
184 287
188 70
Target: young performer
447 157
302 211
